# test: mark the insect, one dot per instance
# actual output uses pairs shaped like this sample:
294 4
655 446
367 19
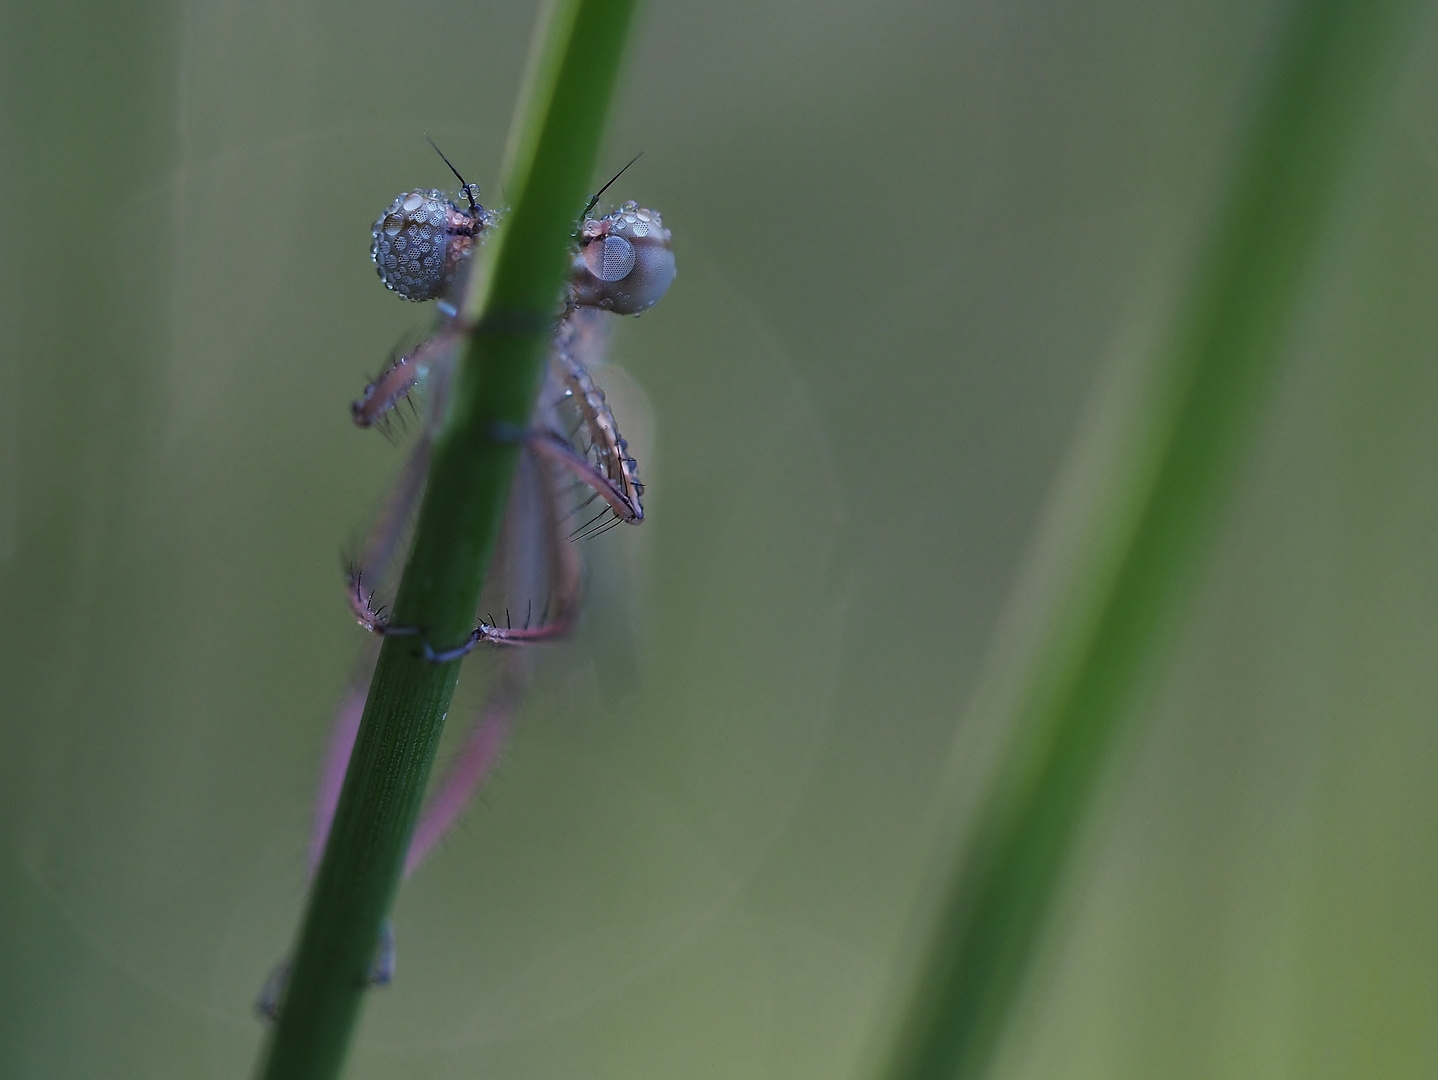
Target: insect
575 478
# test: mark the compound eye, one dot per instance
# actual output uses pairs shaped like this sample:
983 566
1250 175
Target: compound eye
653 273
625 264
420 243
610 259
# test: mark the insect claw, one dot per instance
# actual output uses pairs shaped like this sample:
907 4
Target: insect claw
445 656
382 972
268 1003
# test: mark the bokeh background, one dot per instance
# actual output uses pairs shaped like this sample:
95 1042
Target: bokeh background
911 236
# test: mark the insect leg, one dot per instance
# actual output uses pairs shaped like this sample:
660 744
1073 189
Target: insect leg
382 547
473 763
405 370
561 452
337 758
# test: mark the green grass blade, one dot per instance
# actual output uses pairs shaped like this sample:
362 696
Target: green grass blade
1332 60
548 169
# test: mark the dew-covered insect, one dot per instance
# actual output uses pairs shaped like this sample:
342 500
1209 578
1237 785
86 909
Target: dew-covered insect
575 478
423 241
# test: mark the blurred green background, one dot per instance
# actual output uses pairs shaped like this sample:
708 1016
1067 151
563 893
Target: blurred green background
911 236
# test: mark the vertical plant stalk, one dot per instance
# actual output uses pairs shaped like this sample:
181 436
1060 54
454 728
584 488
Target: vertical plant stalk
549 163
1332 60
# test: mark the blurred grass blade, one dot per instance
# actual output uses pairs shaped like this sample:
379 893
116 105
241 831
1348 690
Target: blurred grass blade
547 174
1332 61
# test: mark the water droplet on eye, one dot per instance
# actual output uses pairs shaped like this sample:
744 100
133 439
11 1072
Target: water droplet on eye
422 241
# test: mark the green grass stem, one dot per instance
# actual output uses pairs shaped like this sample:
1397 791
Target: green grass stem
1331 61
548 169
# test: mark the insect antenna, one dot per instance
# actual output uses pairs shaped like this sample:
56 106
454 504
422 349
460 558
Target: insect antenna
466 188
594 199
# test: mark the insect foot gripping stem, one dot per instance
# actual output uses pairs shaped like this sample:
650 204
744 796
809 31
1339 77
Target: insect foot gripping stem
381 973
552 624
